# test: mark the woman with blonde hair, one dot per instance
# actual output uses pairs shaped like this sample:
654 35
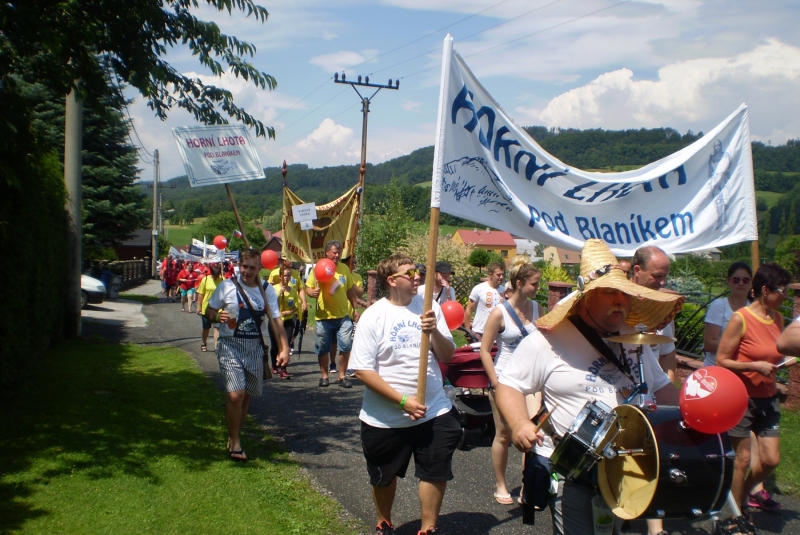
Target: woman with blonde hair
508 324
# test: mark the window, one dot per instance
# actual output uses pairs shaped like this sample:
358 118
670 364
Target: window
504 253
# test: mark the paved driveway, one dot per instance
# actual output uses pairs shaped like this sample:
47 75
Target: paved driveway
320 427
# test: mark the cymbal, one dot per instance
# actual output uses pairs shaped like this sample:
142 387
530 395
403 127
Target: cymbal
641 339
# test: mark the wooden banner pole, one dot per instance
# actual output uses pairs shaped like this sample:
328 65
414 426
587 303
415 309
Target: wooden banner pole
236 213
754 260
430 279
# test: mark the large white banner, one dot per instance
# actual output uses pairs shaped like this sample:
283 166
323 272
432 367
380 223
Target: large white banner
487 169
218 154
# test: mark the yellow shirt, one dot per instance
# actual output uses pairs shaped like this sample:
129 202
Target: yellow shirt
288 301
207 287
332 302
357 281
295 280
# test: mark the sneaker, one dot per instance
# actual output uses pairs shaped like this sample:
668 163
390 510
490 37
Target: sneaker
763 500
350 373
324 382
274 370
345 383
333 368
284 374
384 528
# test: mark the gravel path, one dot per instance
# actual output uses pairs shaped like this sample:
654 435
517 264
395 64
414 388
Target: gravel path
320 427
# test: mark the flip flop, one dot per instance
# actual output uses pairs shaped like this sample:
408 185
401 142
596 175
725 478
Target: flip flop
503 499
241 456
203 348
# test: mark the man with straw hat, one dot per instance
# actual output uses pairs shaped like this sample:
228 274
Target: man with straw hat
564 360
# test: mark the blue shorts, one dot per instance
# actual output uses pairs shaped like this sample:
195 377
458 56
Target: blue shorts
325 330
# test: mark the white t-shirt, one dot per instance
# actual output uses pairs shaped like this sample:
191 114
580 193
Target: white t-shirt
669 347
508 340
569 371
486 298
442 295
225 294
719 312
387 341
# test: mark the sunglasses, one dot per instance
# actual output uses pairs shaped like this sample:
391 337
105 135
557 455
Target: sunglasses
411 274
743 280
781 291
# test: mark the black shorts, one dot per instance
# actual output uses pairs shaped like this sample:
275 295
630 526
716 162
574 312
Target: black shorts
388 450
762 417
205 322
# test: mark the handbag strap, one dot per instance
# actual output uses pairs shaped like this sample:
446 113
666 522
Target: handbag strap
597 342
241 291
516 319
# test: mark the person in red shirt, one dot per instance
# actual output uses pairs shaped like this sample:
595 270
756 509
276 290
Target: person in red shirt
186 280
172 276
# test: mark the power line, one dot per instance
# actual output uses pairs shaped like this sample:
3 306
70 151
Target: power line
512 40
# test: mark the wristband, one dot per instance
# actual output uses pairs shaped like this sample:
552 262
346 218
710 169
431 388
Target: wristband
403 402
216 318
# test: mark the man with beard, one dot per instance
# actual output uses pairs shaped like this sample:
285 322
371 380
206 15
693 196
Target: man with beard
204 292
570 361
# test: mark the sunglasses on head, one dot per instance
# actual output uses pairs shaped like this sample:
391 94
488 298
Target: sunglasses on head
410 273
743 280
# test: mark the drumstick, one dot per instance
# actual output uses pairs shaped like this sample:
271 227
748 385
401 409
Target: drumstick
544 418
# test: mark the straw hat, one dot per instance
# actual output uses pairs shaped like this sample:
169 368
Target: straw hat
600 269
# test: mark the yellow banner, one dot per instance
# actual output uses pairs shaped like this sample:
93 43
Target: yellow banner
335 221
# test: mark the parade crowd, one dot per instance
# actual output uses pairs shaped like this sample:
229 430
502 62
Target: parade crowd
539 363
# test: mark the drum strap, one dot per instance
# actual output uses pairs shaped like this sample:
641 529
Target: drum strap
593 338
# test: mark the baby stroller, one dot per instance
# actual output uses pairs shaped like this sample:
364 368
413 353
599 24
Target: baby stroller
465 372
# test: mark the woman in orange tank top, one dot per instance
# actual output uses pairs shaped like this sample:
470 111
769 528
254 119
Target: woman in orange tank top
748 349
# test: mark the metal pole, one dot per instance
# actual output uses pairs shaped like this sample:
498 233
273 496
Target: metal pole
154 242
73 145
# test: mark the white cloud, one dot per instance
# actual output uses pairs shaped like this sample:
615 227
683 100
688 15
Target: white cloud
337 61
695 92
411 105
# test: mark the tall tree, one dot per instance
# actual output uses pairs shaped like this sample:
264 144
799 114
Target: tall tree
64 41
113 207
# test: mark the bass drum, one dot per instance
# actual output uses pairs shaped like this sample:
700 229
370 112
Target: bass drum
673 471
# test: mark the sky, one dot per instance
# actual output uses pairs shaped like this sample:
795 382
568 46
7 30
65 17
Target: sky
611 64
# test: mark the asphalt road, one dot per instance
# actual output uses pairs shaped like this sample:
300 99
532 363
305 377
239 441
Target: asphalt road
320 427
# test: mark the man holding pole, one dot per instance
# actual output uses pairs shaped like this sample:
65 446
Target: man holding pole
394 425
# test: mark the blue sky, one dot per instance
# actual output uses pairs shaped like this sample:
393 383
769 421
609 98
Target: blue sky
610 64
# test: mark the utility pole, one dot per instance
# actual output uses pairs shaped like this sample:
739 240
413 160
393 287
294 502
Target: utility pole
154 242
365 101
73 145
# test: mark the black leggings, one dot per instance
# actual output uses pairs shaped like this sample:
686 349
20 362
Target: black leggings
289 325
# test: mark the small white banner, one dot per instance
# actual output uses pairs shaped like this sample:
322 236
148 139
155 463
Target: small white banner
489 170
307 225
304 212
218 154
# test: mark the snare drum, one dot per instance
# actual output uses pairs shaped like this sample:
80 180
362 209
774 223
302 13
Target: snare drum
676 472
587 440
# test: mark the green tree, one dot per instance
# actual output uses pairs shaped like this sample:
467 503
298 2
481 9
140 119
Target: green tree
113 206
787 254
61 42
386 232
223 224
494 257
479 258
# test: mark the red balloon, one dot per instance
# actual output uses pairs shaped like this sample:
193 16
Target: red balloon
269 259
220 242
713 400
453 314
325 270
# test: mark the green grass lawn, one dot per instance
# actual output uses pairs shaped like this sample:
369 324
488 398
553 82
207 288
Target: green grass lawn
180 235
770 196
129 439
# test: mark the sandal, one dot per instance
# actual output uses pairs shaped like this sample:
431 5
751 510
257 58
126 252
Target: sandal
238 456
503 499
203 348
